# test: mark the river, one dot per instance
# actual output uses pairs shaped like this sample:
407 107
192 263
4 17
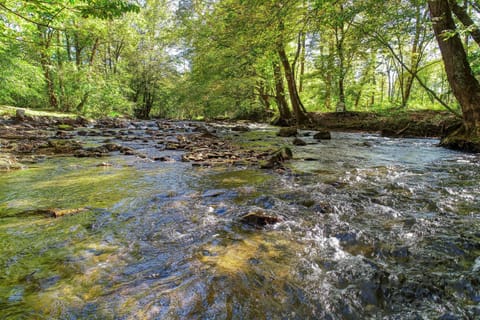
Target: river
371 228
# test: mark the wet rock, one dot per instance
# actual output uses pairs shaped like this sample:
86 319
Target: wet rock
64 146
259 219
127 151
63 135
111 147
201 129
172 146
88 153
26 147
104 164
277 158
52 212
66 212
213 193
164 159
8 162
367 144
299 142
287 132
241 129
322 135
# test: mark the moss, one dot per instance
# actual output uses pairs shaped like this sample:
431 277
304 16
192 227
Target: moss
65 127
63 184
462 141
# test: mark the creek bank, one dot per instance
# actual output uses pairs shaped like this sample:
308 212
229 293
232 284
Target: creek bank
405 124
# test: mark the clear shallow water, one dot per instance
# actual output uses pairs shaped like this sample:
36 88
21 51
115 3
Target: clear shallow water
372 228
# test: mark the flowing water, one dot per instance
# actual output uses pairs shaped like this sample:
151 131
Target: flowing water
371 228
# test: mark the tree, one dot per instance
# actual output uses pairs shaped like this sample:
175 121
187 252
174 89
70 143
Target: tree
465 86
52 31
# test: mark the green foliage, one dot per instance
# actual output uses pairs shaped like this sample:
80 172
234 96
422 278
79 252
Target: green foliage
106 9
216 59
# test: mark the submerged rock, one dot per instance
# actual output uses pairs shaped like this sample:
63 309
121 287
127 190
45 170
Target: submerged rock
259 219
53 212
65 212
241 129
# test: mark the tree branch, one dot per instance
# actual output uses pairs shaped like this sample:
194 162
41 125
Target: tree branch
40 24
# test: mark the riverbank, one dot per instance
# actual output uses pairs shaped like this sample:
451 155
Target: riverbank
420 124
29 136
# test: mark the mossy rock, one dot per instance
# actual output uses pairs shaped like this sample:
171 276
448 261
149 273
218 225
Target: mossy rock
461 144
287 132
462 140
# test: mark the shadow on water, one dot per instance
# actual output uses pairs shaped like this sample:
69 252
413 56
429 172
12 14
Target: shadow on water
370 228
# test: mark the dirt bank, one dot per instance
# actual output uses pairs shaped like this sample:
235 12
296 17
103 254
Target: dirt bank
426 123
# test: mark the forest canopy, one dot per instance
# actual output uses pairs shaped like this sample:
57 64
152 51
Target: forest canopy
230 58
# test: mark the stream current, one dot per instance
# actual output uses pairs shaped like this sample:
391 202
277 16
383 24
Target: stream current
372 228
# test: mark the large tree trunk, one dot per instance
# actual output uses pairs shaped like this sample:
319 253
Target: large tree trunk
464 85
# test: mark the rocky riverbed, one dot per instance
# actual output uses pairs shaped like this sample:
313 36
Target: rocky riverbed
125 225
27 139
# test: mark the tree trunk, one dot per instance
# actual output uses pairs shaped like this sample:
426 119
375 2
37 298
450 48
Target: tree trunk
46 63
297 106
415 55
302 62
464 85
339 40
263 95
462 15
52 97
285 114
